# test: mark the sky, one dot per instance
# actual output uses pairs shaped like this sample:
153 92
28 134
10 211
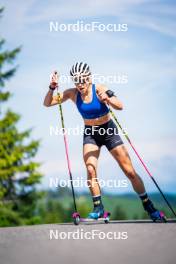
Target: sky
145 53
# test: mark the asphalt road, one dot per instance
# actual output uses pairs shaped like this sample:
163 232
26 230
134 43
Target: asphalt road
123 243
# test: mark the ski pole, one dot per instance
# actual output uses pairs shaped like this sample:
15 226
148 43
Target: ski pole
66 151
142 162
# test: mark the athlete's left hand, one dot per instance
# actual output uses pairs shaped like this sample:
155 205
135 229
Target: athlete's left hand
103 97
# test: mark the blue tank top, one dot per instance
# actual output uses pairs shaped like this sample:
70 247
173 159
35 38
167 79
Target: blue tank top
91 110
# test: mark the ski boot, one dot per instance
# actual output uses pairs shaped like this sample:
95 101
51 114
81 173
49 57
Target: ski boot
98 212
154 214
158 216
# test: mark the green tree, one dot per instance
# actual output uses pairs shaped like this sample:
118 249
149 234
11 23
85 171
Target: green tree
18 171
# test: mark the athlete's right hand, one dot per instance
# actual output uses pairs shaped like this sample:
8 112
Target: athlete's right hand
54 80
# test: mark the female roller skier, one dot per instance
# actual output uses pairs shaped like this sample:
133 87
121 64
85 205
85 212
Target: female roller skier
91 102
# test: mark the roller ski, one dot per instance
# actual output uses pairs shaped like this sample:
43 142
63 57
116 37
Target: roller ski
154 214
158 216
92 218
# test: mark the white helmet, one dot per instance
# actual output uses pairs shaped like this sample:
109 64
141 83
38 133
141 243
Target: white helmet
80 69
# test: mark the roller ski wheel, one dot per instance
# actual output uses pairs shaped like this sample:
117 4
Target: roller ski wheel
106 217
158 217
76 218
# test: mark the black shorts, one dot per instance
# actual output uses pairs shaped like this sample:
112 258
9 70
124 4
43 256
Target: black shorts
106 134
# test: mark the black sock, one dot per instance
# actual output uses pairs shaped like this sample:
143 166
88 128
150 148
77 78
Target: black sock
97 201
147 203
144 197
149 207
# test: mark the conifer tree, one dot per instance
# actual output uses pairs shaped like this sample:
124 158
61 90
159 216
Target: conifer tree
18 171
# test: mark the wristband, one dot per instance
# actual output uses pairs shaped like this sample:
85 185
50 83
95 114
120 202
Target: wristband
110 93
51 88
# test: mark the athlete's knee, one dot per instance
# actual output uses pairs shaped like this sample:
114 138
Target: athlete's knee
130 173
91 170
